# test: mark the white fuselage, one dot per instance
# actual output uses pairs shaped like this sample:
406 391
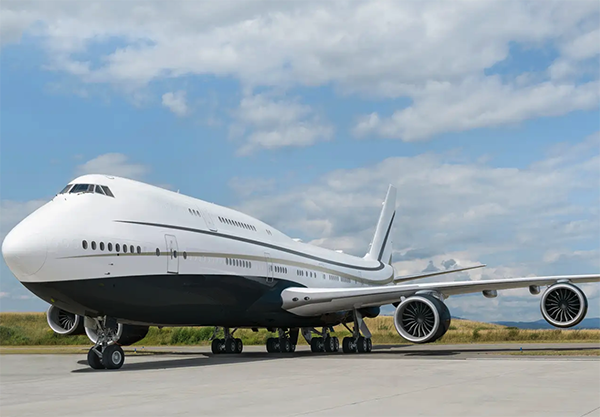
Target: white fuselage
75 237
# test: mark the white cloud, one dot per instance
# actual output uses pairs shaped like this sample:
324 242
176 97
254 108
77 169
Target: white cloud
112 164
277 124
478 102
176 102
4 294
436 54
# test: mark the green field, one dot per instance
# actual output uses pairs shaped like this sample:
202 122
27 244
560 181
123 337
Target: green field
31 329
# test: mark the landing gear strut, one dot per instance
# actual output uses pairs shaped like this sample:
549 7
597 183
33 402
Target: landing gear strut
285 343
104 355
358 343
228 344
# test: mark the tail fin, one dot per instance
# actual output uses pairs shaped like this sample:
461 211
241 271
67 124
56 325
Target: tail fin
381 246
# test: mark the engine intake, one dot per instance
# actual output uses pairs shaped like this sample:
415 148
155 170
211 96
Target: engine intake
64 322
422 319
563 305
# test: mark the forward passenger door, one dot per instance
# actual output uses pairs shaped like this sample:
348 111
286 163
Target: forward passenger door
172 254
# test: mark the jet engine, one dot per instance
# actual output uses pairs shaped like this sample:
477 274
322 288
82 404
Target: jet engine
64 322
122 334
422 318
563 305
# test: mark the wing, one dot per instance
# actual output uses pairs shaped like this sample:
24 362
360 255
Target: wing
433 274
315 301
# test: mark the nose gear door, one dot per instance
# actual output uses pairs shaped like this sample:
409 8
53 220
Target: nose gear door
172 254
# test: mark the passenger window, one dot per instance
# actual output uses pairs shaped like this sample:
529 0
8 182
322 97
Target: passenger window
174 254
101 245
139 250
184 255
84 244
117 247
93 245
124 248
157 252
109 247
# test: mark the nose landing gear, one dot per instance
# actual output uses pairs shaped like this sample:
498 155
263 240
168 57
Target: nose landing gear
104 355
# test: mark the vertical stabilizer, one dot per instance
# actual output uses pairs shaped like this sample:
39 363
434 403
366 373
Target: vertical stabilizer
381 246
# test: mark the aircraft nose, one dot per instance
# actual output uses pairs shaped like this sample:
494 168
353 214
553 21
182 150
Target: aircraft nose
24 251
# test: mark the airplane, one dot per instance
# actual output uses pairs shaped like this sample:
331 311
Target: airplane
113 256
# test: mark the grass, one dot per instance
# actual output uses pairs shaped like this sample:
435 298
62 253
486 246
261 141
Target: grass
31 329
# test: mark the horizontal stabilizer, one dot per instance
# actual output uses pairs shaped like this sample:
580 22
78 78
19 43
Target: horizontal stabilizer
433 274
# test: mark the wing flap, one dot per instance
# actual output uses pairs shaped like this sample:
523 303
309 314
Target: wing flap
433 274
315 301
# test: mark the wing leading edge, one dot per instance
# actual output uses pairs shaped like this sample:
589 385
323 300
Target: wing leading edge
315 301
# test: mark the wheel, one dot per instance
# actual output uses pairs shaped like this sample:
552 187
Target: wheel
315 344
348 345
94 360
216 345
293 348
369 345
337 344
285 345
362 345
239 346
271 345
230 345
329 344
113 357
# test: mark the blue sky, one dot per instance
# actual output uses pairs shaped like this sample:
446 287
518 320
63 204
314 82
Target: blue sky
302 113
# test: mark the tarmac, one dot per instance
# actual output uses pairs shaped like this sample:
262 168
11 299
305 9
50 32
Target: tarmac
429 380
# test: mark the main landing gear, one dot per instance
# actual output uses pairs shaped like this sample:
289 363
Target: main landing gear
104 355
357 343
228 344
285 343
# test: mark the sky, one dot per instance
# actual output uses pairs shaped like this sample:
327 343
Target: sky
484 115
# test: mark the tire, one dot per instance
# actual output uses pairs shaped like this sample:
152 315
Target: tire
230 345
315 344
285 345
336 341
94 360
369 345
329 344
113 357
347 345
271 345
215 346
239 345
362 345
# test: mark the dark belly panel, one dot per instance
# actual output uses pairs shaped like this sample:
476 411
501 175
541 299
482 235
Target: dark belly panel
175 300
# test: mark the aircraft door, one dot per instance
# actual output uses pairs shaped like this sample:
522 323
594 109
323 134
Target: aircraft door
208 220
269 267
172 254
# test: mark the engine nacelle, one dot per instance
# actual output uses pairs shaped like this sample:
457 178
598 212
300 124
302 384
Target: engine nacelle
563 305
121 334
64 322
422 318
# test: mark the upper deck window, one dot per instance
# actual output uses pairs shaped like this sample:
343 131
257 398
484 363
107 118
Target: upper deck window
107 191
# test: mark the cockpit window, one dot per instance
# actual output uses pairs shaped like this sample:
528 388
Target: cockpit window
87 188
82 188
107 191
66 189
